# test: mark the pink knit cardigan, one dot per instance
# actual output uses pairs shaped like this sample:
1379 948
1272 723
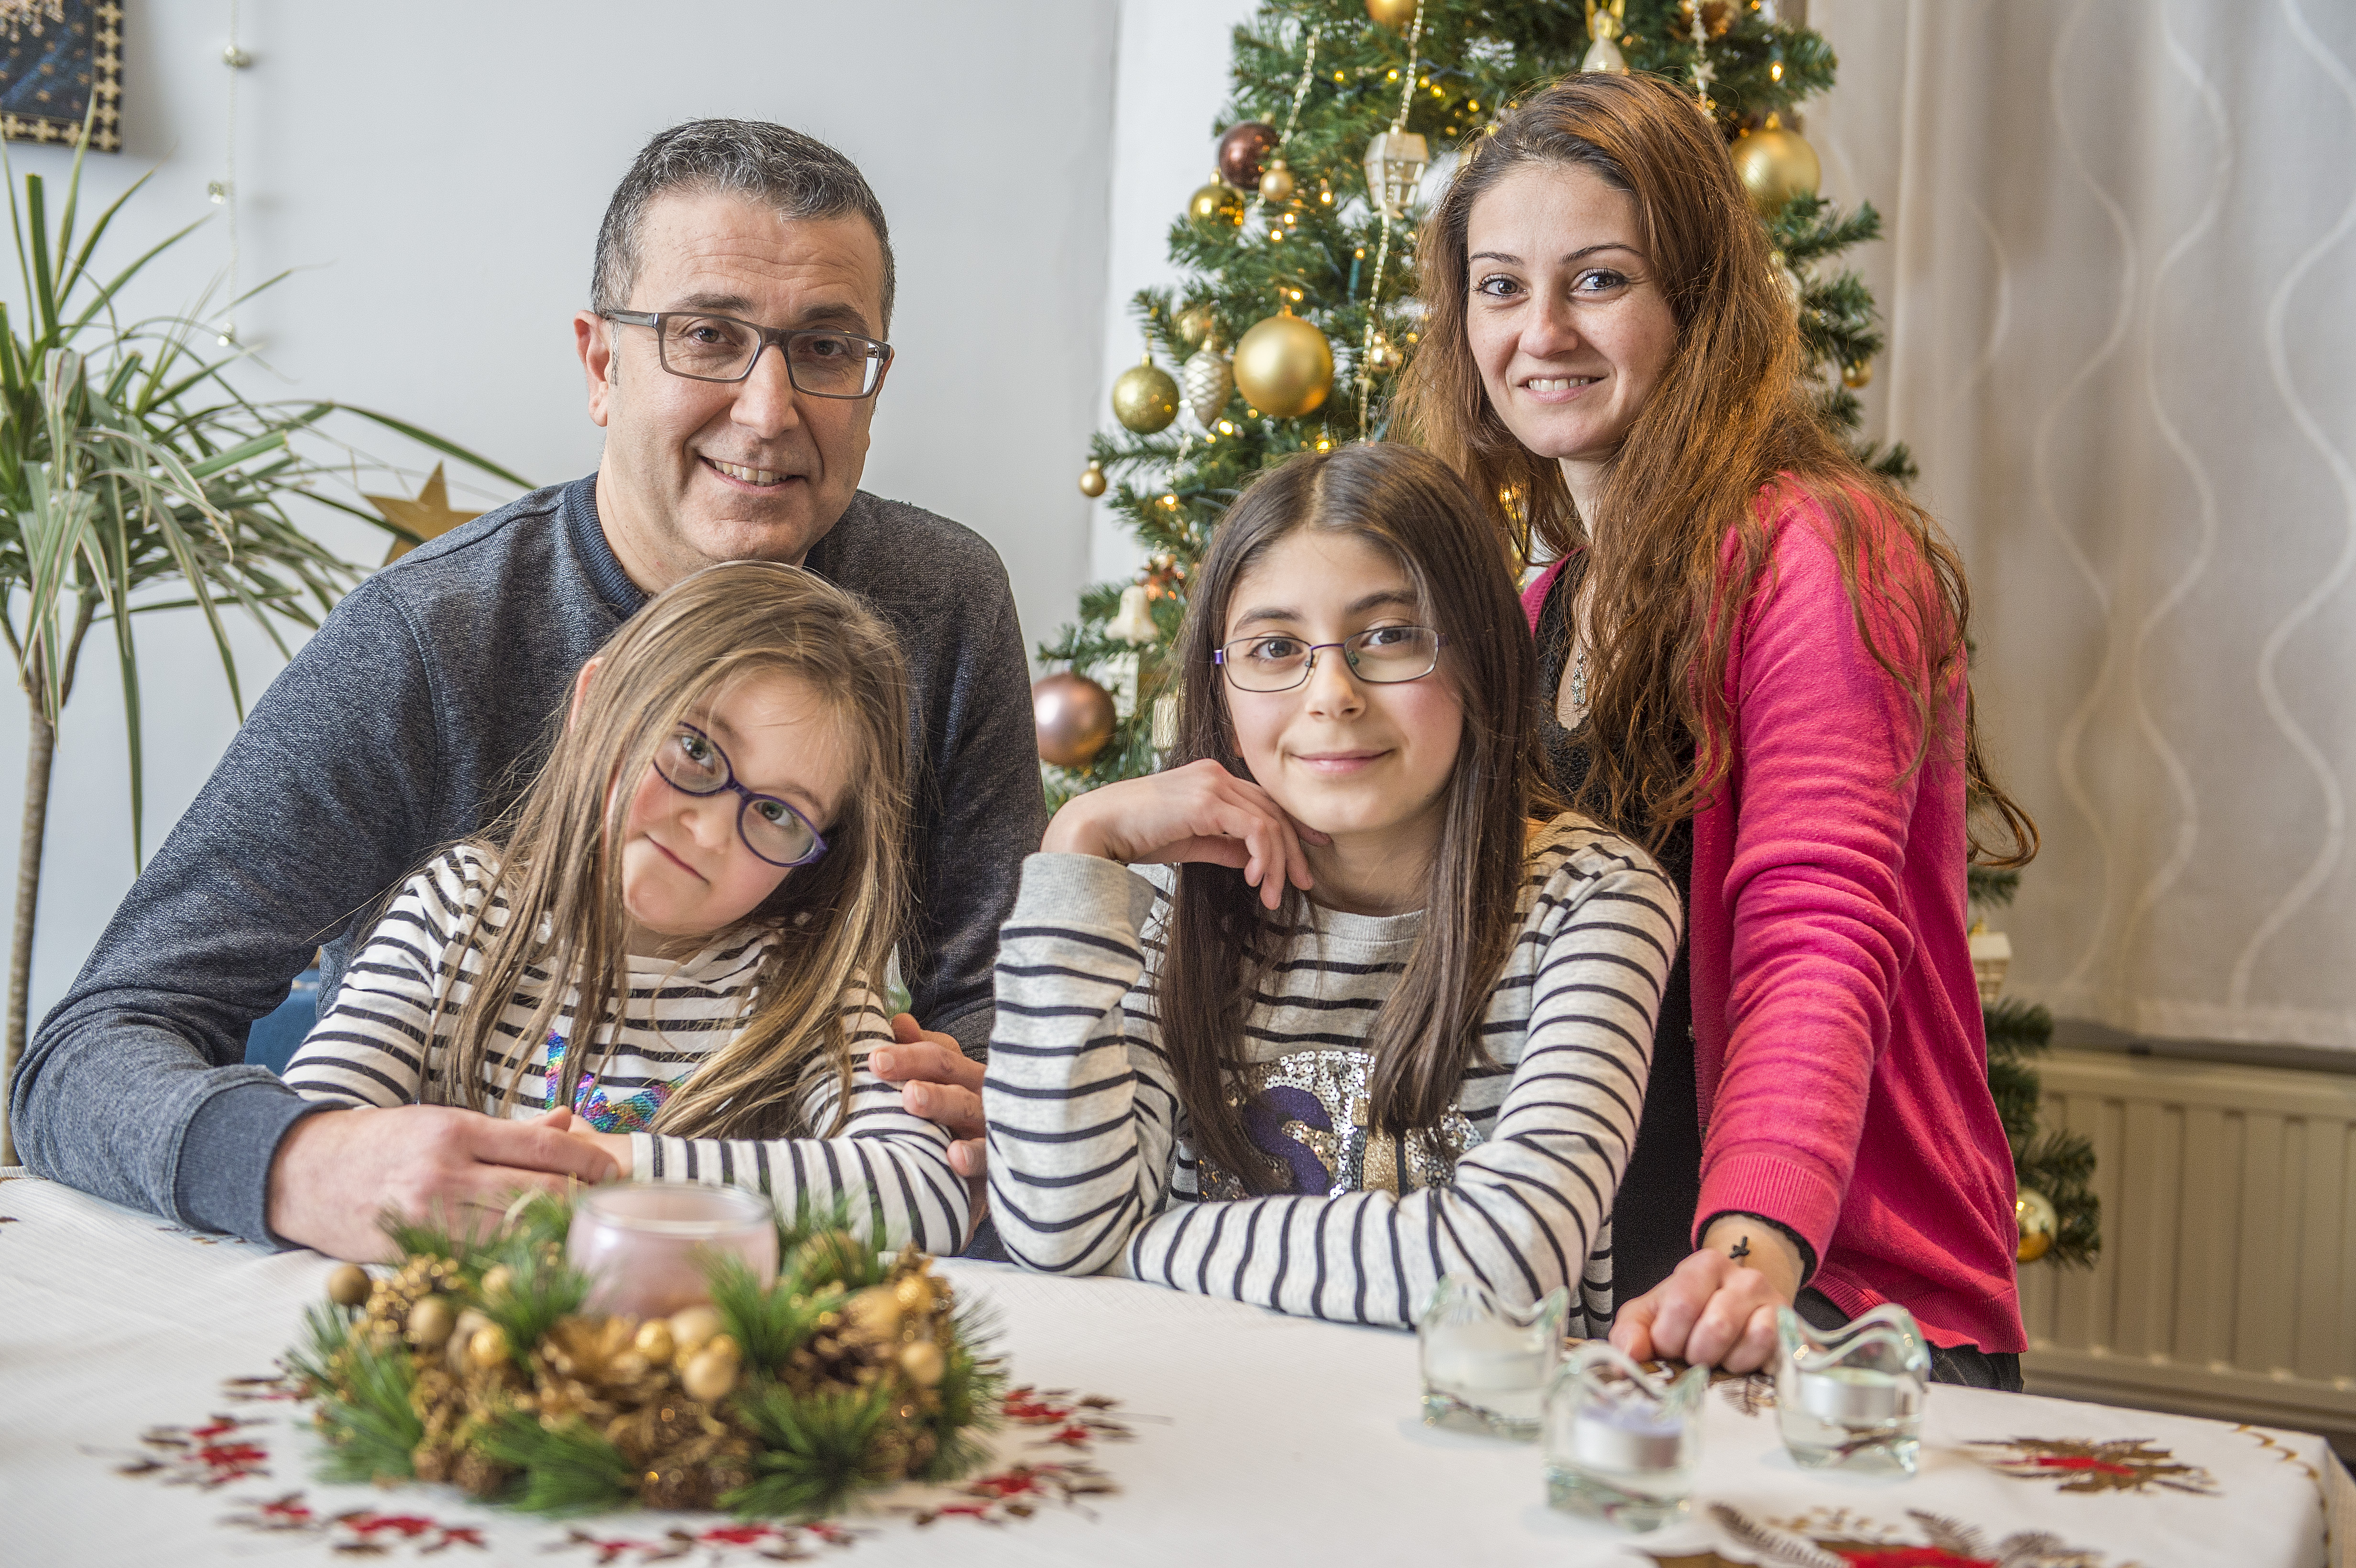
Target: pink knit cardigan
1841 1062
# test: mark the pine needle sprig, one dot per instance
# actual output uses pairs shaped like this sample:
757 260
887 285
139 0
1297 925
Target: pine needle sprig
542 1289
971 1390
769 1324
364 1405
815 1451
567 1470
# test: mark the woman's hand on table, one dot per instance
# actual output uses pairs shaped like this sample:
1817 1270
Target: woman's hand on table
336 1173
1716 1311
1200 812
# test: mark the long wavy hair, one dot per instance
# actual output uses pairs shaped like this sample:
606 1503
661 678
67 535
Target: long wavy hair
1219 940
1731 417
551 924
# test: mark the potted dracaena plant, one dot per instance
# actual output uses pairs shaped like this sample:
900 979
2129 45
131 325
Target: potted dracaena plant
131 467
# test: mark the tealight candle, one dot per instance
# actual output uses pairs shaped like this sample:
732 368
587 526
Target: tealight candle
646 1246
1620 1443
1486 1365
1853 1396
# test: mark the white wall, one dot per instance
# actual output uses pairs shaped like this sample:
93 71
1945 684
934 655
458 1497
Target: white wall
436 172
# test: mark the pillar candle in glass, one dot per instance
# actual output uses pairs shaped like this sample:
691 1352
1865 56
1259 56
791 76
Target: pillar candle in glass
1622 1443
646 1246
1485 1364
1853 1395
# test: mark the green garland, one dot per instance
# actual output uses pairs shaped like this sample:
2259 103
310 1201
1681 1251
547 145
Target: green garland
473 1362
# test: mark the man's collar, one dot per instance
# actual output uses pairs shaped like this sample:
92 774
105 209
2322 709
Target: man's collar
621 595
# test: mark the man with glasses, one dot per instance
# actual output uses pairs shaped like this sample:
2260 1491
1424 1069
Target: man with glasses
733 351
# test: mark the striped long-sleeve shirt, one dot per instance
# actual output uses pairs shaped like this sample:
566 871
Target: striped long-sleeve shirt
1091 1167
370 1049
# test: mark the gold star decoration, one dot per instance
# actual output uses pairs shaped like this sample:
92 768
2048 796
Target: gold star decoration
428 517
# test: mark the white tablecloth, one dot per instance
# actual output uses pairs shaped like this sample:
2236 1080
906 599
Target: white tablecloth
1258 1439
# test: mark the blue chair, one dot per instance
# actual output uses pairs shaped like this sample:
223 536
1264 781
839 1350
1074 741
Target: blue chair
272 1040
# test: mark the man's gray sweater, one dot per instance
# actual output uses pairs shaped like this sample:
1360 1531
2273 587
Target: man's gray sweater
413 718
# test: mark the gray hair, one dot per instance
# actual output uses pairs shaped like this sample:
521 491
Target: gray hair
799 175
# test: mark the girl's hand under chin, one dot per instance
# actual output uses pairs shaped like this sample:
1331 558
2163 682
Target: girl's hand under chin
1200 812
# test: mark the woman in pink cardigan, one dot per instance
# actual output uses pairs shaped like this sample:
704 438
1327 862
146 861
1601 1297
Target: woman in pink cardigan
1754 656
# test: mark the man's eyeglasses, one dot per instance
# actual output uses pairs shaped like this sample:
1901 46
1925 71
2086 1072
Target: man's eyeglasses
692 763
821 361
1379 655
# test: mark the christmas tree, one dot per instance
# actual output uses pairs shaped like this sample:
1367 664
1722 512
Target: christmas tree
1295 316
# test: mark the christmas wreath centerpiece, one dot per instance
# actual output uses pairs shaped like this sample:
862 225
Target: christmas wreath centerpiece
479 1361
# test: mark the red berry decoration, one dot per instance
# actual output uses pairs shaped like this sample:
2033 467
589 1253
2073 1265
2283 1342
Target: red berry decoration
1242 152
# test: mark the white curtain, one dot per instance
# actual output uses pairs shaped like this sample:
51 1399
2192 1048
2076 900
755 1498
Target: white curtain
2120 284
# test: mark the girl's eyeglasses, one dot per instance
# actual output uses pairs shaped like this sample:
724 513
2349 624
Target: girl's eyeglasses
1379 655
692 763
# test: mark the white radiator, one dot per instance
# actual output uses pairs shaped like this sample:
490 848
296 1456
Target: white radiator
2227 1284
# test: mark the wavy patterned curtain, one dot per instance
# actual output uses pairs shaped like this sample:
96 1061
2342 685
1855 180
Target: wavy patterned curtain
2120 279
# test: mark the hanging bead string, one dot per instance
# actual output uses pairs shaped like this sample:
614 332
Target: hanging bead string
1300 90
1704 73
1383 250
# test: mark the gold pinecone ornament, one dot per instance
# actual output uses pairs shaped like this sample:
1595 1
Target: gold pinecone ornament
1209 382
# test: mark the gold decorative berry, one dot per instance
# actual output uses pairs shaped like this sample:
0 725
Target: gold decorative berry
348 1285
654 1342
431 1323
692 1328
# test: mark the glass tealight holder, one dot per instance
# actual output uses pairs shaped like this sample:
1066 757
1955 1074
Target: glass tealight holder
1853 1396
1622 1443
646 1246
1486 1365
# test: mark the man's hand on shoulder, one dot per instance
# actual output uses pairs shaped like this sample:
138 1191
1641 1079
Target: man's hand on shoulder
337 1172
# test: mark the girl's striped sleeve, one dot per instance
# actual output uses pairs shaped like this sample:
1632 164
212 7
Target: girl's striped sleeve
369 1046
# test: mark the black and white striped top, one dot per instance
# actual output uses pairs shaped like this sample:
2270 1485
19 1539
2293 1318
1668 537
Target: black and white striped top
1090 1167
370 1049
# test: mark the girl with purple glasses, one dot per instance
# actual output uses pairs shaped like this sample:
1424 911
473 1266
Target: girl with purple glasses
667 945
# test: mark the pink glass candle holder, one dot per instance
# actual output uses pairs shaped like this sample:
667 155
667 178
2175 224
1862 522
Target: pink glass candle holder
647 1246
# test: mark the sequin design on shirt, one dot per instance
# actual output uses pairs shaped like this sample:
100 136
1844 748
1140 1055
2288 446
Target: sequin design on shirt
1310 1112
632 1114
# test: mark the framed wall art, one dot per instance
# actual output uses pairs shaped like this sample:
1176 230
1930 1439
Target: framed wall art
56 56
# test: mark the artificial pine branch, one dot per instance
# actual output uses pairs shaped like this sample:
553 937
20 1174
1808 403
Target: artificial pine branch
542 1289
364 1406
568 1468
769 1324
970 1391
815 1451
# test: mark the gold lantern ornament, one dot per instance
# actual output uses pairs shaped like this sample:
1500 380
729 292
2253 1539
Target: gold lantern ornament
1216 200
1092 479
1396 160
2039 1224
1396 14
1284 366
1776 165
1145 399
1074 717
1606 21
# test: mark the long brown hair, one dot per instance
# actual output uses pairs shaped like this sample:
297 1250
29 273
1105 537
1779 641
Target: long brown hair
559 875
1219 941
1731 417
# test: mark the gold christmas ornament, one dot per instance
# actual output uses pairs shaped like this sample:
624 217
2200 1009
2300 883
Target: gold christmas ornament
923 1361
497 1281
1858 375
1092 479
462 1338
488 1348
1276 182
653 1342
1074 717
431 1322
1392 13
1605 23
1776 165
1284 366
348 1285
1196 324
1145 399
1396 160
1216 200
692 1328
2039 1224
1209 383
711 1377
874 1312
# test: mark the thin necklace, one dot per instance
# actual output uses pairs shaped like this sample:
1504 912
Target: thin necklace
1579 674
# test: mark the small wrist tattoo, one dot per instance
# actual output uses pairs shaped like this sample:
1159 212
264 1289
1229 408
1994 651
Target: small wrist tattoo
1741 1249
